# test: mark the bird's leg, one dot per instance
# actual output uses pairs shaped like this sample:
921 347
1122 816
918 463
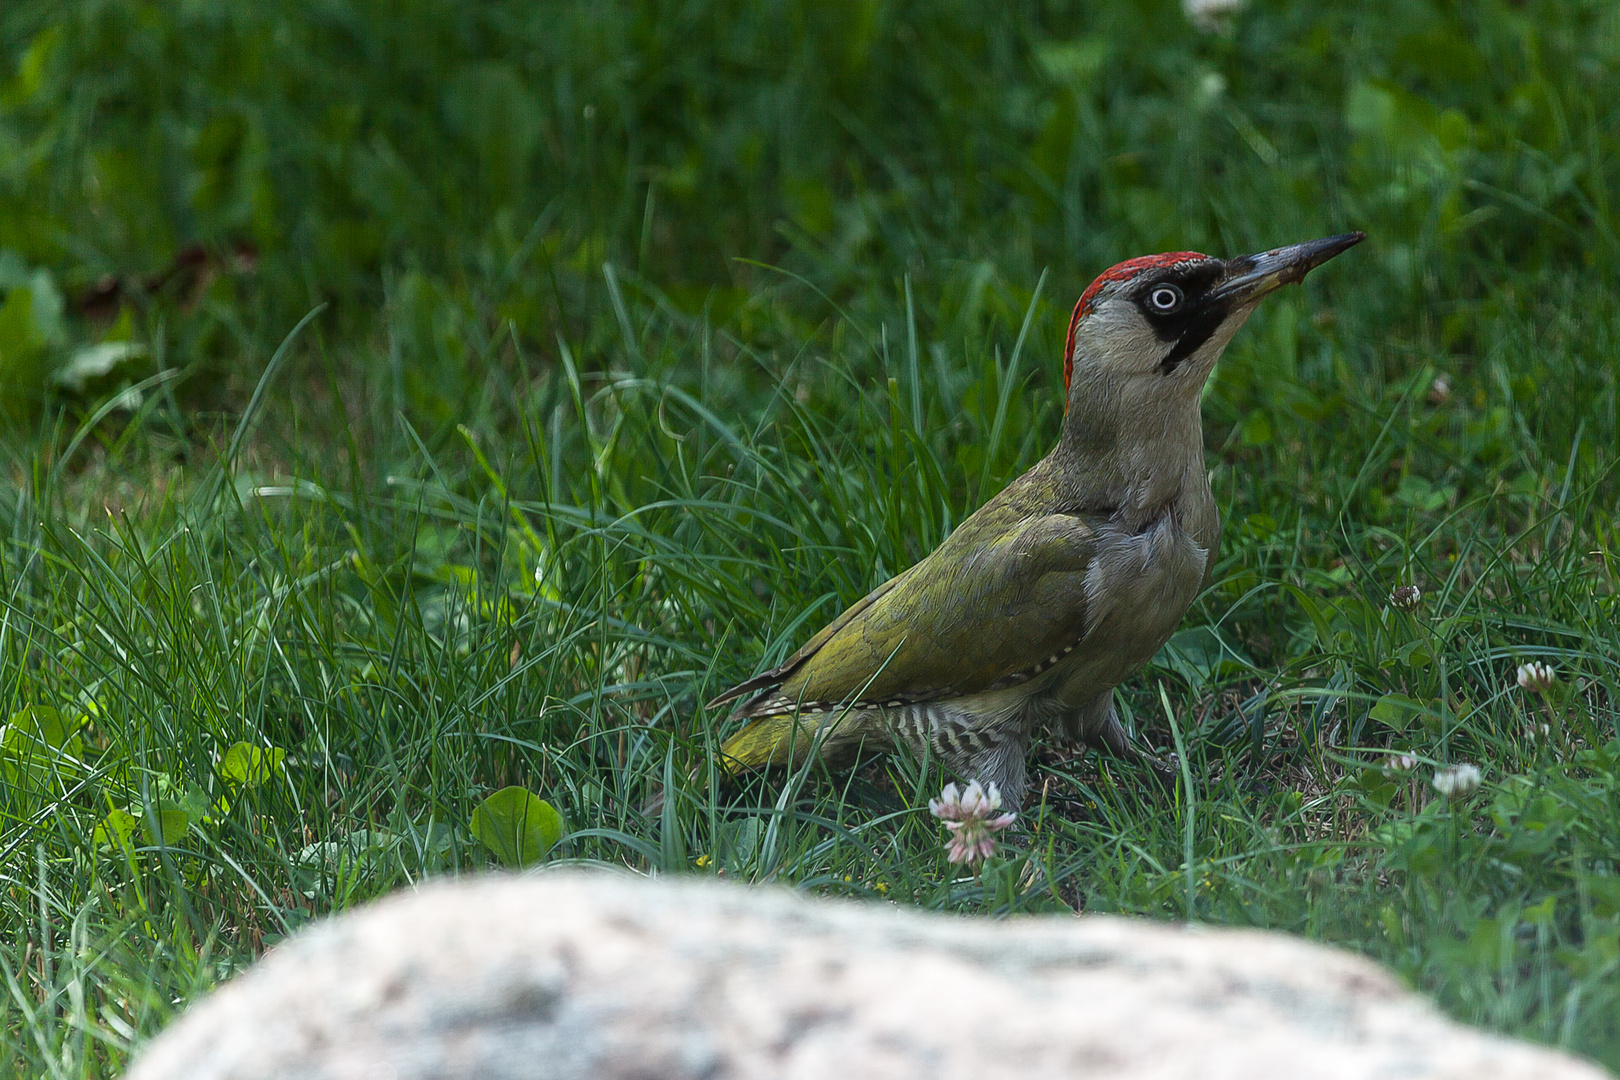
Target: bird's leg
1002 764
1098 724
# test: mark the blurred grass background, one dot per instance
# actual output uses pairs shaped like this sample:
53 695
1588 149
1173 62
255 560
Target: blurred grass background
643 336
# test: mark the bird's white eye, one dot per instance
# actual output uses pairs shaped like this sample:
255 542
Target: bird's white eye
1164 298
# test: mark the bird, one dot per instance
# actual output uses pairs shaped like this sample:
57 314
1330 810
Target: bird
1065 583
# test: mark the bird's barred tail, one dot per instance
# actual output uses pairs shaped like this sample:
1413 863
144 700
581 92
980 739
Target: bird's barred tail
769 740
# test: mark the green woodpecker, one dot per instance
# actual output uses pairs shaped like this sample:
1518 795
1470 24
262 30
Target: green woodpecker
1064 584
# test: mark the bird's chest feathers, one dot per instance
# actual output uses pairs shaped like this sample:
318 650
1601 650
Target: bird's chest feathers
1139 585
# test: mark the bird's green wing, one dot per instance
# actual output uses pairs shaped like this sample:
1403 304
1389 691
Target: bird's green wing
769 680
995 604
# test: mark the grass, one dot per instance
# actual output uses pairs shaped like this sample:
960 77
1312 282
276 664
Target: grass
651 338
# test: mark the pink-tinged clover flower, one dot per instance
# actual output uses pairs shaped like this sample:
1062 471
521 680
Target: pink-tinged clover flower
970 815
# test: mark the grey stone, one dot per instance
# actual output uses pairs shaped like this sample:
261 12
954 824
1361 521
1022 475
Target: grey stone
564 976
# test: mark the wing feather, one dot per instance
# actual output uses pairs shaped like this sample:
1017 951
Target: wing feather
994 603
769 680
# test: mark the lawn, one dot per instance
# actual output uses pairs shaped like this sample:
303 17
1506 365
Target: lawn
407 403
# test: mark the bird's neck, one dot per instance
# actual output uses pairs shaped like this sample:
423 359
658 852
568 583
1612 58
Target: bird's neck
1131 464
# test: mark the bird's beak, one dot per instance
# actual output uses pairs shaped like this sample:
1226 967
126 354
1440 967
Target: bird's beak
1249 277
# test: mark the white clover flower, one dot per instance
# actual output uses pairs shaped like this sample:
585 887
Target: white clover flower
1455 781
1210 15
1405 597
971 817
1403 763
1536 677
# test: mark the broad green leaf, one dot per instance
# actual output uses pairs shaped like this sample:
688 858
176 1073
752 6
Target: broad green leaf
1416 654
195 805
116 830
1395 711
1076 61
39 750
246 765
1541 913
1256 429
165 825
1373 783
351 851
1603 893
517 826
39 728
1199 655
1419 494
350 864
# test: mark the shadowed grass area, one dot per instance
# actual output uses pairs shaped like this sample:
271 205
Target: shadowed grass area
656 334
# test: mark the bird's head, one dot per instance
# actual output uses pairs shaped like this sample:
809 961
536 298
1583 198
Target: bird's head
1150 329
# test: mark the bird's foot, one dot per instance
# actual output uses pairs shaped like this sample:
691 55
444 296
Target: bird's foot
1165 771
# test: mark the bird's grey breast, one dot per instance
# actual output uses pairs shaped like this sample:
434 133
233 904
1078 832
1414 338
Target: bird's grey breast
1138 586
